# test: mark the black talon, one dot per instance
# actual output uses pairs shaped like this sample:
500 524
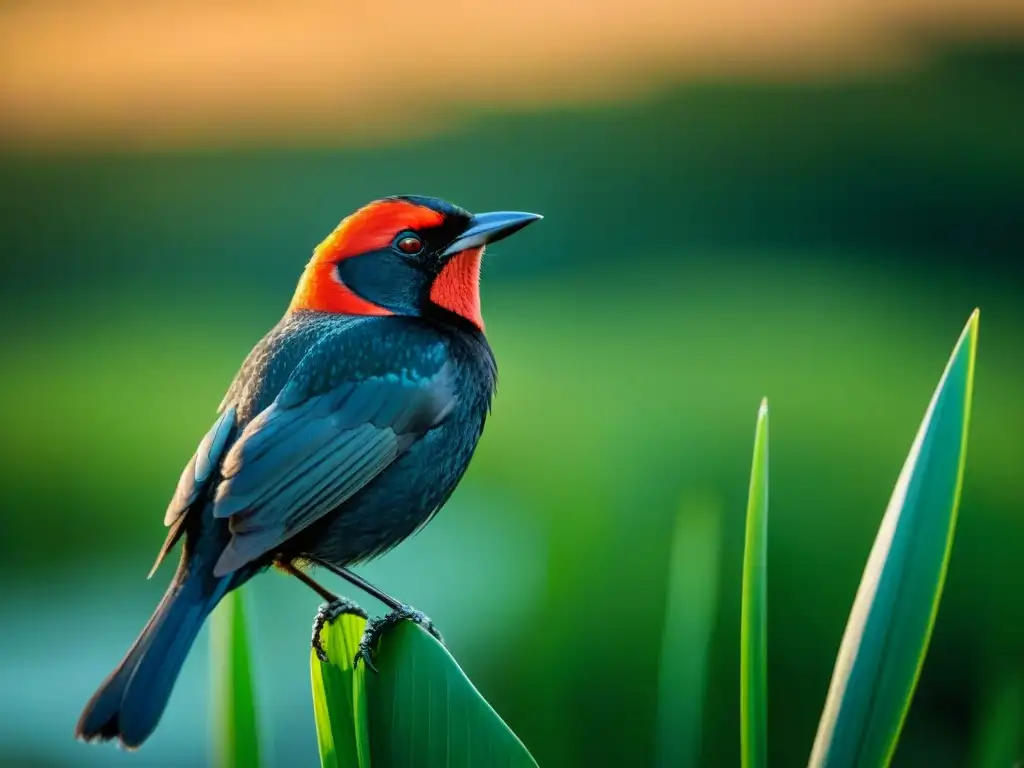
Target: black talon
371 634
327 613
375 628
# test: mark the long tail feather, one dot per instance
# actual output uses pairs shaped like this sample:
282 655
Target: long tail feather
130 702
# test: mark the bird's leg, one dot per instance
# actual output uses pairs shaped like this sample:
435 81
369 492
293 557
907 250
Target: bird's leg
309 581
377 626
358 581
328 612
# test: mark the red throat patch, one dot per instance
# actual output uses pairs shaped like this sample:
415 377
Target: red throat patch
370 228
457 288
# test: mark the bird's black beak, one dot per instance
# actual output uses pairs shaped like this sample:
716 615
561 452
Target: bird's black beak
485 228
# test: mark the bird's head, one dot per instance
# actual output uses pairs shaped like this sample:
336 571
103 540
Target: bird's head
405 255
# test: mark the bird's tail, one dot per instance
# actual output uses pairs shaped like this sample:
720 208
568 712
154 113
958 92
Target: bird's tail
129 703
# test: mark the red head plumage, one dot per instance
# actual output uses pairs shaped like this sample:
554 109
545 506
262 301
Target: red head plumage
371 228
406 256
457 287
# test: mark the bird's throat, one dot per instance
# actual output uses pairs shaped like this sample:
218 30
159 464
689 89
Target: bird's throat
457 287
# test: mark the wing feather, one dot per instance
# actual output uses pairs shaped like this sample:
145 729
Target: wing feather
305 456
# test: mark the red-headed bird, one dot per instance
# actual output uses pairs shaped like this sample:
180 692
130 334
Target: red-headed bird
346 429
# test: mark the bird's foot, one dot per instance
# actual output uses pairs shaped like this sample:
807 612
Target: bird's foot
376 627
329 612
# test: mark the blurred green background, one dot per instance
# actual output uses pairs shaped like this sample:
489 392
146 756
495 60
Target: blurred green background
819 240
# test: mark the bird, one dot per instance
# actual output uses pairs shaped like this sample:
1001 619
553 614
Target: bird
345 430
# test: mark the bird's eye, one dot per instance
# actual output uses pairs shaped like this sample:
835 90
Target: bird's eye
409 244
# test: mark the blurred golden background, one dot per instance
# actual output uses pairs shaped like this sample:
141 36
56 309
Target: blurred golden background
155 74
804 200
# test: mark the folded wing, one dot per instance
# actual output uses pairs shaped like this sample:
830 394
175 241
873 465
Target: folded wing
317 445
198 473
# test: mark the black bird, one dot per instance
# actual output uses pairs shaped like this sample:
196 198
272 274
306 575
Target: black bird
346 429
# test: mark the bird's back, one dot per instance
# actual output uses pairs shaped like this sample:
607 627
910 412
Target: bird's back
270 364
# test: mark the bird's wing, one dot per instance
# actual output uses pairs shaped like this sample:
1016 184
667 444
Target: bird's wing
324 438
200 467
194 478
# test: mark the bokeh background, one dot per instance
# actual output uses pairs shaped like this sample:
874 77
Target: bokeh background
802 200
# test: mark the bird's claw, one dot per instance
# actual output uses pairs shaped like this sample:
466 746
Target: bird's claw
376 627
327 613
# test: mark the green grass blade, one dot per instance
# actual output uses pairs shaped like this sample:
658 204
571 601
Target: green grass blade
754 611
998 742
887 634
425 713
339 696
691 603
236 730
